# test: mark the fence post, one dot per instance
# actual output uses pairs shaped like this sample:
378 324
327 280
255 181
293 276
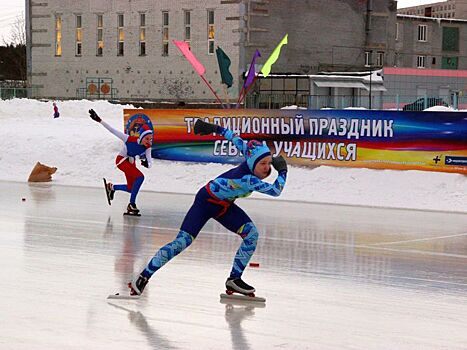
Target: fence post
397 102
425 102
455 101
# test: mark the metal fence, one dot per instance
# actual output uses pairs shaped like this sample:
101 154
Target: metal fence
398 102
276 101
9 93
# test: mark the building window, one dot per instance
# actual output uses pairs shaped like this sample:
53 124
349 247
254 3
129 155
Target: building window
380 58
367 58
422 32
449 63
397 31
450 39
211 32
58 35
79 35
165 33
100 35
120 35
187 22
142 34
421 61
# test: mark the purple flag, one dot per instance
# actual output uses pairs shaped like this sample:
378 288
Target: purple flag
251 72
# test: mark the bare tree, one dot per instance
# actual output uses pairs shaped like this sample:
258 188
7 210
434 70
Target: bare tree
17 32
14 60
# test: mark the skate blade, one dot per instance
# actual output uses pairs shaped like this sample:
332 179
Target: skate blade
242 297
123 296
128 214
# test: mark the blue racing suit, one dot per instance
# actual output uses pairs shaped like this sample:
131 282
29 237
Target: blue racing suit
216 200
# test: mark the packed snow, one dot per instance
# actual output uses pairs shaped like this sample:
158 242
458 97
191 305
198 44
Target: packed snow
84 153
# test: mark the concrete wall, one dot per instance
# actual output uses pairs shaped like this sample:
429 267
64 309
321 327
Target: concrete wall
323 34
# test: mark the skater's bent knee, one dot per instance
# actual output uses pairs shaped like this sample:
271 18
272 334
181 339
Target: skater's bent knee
248 232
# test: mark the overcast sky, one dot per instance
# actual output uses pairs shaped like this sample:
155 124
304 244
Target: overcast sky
11 9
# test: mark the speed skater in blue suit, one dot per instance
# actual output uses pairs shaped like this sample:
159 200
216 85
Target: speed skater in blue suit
216 201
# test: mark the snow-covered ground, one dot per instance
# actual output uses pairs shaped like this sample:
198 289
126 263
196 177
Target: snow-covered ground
84 152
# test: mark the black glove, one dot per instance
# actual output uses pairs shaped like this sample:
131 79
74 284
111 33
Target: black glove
94 116
203 128
279 164
145 163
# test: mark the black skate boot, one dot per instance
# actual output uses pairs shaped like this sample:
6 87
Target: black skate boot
237 285
109 191
137 287
131 209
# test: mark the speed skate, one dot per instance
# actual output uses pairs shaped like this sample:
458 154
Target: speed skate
123 296
234 295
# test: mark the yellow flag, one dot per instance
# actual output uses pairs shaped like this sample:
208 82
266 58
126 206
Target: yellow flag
273 58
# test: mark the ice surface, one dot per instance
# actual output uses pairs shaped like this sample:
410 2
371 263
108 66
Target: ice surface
334 277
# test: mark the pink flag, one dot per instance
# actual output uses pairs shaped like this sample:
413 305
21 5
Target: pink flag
185 50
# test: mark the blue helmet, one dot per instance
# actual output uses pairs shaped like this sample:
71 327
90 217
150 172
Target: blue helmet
256 151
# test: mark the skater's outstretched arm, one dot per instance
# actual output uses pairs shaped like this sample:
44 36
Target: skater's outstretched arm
204 128
119 134
234 138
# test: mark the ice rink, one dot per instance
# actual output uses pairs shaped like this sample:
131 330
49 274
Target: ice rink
334 277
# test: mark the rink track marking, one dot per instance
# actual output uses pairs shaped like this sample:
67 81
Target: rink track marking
418 240
366 246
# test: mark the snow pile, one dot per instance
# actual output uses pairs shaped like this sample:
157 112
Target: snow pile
84 153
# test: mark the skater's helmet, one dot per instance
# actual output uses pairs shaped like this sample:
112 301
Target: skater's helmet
144 131
256 151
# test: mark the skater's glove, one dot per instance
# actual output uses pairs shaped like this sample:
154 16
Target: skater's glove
145 163
279 164
203 128
94 116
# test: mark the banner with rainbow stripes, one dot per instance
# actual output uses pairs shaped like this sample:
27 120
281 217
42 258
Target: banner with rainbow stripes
432 141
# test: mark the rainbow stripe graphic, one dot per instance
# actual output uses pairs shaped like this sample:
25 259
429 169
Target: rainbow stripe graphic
432 141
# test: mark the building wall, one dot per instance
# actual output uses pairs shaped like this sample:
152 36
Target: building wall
153 76
408 47
323 34
410 84
445 9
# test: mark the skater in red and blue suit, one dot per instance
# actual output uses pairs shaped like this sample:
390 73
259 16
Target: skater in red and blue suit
216 201
56 112
126 161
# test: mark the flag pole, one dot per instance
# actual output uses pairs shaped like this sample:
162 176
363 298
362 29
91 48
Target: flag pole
209 86
249 87
240 97
227 98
